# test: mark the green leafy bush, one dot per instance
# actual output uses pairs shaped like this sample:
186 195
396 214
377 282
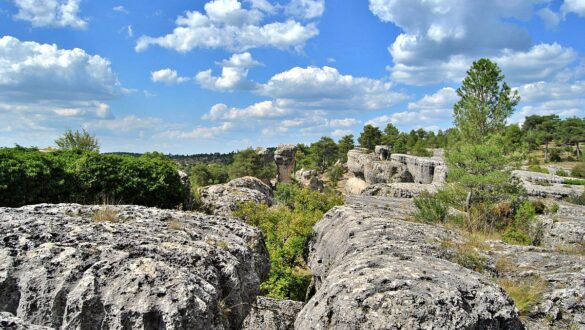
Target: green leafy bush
29 176
287 229
562 173
575 182
555 155
578 171
430 208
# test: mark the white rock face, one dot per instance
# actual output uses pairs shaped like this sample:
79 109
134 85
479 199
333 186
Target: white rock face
142 268
356 160
272 314
309 179
284 157
223 199
422 169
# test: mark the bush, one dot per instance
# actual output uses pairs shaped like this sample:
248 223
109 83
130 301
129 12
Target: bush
287 229
526 293
516 237
29 176
577 199
578 171
537 168
430 208
555 155
335 174
562 173
575 182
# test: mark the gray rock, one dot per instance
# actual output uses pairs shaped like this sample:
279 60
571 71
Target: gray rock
565 229
284 157
422 169
272 314
374 271
384 171
356 160
11 322
188 201
546 185
223 199
137 268
383 152
309 179
355 186
399 190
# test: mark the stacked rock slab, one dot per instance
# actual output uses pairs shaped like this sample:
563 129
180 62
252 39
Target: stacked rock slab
547 185
223 199
422 169
357 159
272 314
374 271
284 157
139 268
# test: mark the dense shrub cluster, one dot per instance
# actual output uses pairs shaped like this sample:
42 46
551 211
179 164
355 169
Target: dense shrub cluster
28 176
287 228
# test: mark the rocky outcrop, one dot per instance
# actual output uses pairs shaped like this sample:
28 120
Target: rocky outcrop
272 314
383 152
284 157
188 202
223 199
547 185
385 172
11 322
399 190
355 186
309 179
356 160
69 266
565 229
372 270
422 169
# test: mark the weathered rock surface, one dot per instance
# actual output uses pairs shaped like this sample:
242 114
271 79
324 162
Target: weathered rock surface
284 157
383 152
309 179
374 271
355 186
399 190
564 229
187 196
384 171
546 185
422 169
223 199
11 322
143 268
272 314
356 160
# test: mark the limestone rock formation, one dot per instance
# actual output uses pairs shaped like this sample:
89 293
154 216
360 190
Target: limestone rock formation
399 190
355 186
422 169
11 322
374 271
384 171
564 229
356 160
383 152
309 179
69 266
546 185
272 314
187 197
223 199
284 157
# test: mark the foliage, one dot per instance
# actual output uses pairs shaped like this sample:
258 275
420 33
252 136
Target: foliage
203 175
324 153
465 254
578 170
370 137
287 229
541 130
537 168
29 176
335 174
344 145
430 209
78 141
485 101
578 199
576 182
248 163
391 135
516 237
420 150
562 173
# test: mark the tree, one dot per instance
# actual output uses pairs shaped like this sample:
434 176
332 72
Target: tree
370 137
248 163
485 101
391 134
541 130
78 141
344 145
324 152
572 131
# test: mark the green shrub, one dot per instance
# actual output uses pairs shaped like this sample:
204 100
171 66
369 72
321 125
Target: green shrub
287 229
575 182
335 174
578 199
554 208
562 173
578 171
537 168
539 207
430 208
524 215
516 237
555 155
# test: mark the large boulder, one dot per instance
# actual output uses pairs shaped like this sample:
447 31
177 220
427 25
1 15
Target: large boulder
284 157
383 152
565 229
384 171
70 266
223 199
356 160
272 314
422 169
372 270
309 179
355 186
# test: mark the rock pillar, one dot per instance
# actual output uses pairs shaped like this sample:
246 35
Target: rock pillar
284 157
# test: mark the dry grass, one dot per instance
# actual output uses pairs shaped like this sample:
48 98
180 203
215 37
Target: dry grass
466 254
504 265
571 249
219 243
175 224
105 214
526 293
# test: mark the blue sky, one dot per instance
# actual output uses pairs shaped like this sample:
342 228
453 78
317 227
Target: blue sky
220 75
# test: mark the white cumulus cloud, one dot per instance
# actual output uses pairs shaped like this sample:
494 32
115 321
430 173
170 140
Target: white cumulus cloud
52 13
234 74
167 76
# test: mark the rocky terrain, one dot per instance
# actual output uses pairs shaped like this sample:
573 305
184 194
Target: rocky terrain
223 199
547 185
69 266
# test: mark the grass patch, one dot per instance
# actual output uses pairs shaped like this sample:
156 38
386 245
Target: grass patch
105 214
538 169
466 254
526 293
504 265
575 182
175 224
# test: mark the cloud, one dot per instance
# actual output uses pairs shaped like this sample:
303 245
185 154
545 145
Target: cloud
550 18
306 9
263 5
431 110
121 9
346 122
50 13
326 88
200 132
233 74
128 123
260 110
34 72
227 25
573 6
565 99
338 133
167 76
